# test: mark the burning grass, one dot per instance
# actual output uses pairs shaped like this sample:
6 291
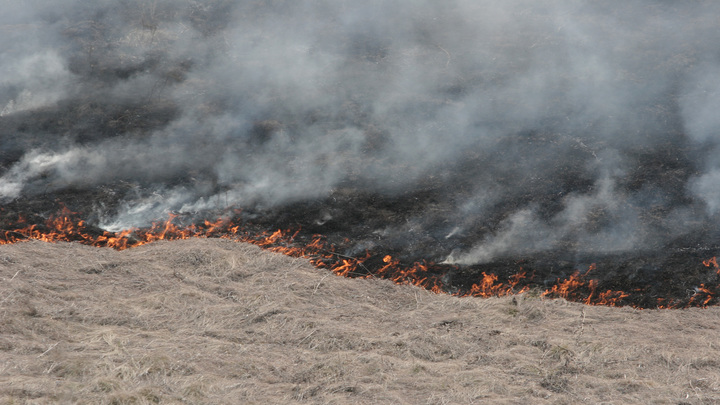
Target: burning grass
579 286
214 321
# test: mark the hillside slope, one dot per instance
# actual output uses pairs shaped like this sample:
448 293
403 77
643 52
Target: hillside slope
213 321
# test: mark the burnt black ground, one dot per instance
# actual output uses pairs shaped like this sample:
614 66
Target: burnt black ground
581 96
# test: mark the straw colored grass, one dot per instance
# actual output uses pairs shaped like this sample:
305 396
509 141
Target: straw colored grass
212 321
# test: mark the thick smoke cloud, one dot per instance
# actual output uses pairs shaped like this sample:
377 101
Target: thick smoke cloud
580 125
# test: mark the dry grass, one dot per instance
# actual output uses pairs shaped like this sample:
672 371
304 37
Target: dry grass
212 321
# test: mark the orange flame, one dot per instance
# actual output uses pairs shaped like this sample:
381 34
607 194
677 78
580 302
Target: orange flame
712 262
490 287
572 289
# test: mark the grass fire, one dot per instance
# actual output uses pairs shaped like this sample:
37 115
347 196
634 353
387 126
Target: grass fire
487 162
582 287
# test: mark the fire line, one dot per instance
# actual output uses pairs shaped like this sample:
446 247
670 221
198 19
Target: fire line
578 287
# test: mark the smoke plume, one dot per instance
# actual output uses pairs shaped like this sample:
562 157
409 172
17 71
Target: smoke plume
497 127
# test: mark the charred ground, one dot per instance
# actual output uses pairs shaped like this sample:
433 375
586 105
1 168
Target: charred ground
493 137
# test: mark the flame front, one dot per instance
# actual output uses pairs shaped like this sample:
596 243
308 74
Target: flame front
577 287
577 284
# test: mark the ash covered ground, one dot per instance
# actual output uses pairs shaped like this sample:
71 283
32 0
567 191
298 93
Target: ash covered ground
489 136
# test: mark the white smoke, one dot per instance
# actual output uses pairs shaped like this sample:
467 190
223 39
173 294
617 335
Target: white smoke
41 79
509 103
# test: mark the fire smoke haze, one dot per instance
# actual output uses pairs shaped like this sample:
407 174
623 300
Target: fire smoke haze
518 126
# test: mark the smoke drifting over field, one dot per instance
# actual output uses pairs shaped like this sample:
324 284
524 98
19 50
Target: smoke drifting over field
493 128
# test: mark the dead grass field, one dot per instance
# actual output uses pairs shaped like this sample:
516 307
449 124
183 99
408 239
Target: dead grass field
216 322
